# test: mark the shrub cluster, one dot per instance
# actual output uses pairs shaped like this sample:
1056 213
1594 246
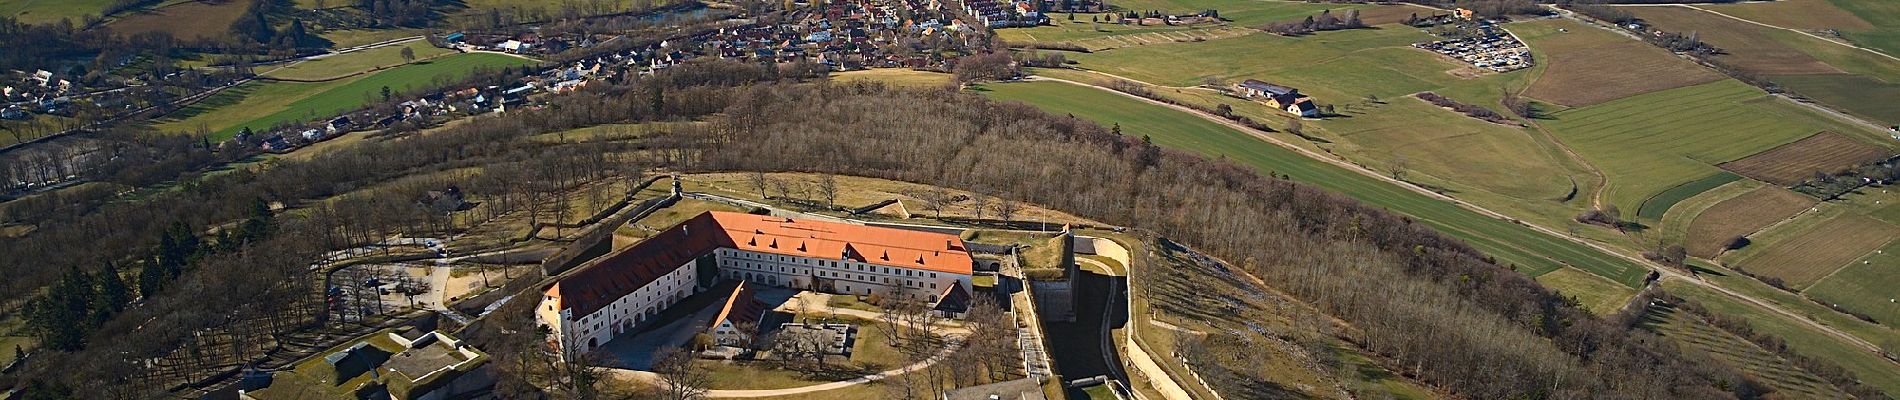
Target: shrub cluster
1467 109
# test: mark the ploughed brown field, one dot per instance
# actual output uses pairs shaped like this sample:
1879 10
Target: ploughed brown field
1742 215
1744 45
1788 164
1822 249
1587 65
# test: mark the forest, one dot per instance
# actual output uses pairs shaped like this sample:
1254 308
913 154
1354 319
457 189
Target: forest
1451 316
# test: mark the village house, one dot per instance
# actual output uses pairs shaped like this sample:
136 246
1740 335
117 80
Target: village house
620 291
1278 97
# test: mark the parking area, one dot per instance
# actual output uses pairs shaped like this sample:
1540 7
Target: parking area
1484 45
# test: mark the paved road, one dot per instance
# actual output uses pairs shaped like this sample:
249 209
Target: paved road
1667 273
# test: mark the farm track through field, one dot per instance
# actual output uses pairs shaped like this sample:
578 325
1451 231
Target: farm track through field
1667 273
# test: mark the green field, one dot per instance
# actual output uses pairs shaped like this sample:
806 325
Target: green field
1866 286
261 105
346 64
1657 205
1869 367
1531 252
1884 14
49 11
1649 143
1766 367
1244 15
1854 93
1331 66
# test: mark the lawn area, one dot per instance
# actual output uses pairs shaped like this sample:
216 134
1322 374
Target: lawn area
1870 368
261 105
894 77
1532 252
679 212
346 64
871 353
1766 367
1598 295
1655 206
1649 143
1866 286
49 11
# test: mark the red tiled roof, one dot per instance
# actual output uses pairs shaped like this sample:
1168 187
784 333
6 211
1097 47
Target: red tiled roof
742 306
614 276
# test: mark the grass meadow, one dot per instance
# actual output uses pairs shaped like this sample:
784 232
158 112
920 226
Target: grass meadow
261 105
1805 256
1649 143
50 11
346 64
186 21
1849 92
1532 252
1654 207
1866 285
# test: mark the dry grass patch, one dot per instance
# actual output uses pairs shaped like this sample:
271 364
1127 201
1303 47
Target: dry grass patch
1742 215
1743 45
1586 66
197 19
1788 164
1821 250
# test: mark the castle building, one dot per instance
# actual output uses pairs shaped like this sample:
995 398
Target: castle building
625 289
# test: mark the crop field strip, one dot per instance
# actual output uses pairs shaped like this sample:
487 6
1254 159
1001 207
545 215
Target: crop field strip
1866 285
1532 252
1742 215
1745 45
1796 14
1820 250
1649 143
1657 205
1766 367
1790 163
1588 66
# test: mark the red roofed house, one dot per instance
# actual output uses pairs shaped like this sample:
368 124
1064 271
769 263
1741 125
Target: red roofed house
739 319
612 295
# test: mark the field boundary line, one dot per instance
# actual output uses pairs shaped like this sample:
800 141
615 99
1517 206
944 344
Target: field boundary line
1837 270
1652 266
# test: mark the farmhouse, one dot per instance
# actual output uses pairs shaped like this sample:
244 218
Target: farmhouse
624 289
1278 97
739 319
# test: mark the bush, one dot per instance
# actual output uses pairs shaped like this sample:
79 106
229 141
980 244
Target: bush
1737 243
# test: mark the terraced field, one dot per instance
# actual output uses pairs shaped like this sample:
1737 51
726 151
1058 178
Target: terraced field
1787 380
1532 252
1869 367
